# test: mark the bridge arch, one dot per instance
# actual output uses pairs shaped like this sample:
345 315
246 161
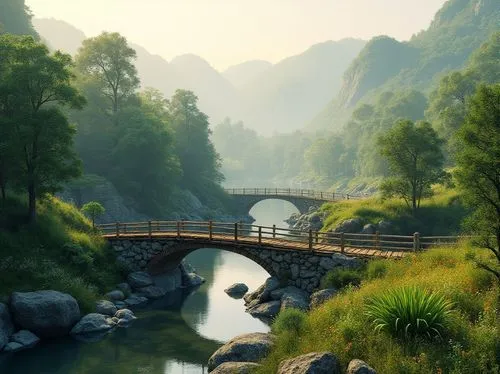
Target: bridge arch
243 204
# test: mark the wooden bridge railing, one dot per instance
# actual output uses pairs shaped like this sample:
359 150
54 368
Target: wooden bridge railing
271 235
290 192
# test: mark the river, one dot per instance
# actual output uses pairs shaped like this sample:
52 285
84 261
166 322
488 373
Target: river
171 336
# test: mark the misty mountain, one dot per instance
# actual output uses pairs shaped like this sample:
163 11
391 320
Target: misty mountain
458 28
241 74
59 34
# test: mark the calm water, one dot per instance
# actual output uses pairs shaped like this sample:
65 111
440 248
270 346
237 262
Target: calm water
174 335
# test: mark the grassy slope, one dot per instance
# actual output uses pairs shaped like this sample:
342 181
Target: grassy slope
439 215
61 253
340 325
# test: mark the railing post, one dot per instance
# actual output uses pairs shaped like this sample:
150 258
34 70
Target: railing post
321 195
260 234
274 231
333 196
342 243
236 231
243 190
178 229
416 242
377 240
265 190
150 230
117 229
317 237
210 233
310 239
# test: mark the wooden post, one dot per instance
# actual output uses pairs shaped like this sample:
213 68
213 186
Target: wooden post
321 195
333 196
310 239
117 229
377 240
317 237
178 229
274 231
150 230
416 242
260 234
210 233
236 231
342 243
243 190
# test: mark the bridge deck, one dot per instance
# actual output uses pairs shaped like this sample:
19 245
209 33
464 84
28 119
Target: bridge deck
254 241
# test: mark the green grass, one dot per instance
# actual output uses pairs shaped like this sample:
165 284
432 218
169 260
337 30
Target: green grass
468 345
440 214
59 252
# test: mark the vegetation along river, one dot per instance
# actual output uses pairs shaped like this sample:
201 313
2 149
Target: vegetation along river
174 335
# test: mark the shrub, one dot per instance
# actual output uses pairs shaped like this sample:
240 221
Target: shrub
339 278
410 312
289 320
376 269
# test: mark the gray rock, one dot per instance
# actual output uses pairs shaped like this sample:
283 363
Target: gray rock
47 314
359 367
263 293
353 225
327 263
135 300
194 280
93 323
311 363
369 229
139 279
319 297
105 307
235 368
237 290
295 298
115 295
386 227
124 287
120 304
125 315
152 292
345 261
26 338
267 310
6 325
244 348
13 347
170 281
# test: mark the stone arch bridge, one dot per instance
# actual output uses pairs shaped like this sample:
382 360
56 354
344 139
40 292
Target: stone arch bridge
245 198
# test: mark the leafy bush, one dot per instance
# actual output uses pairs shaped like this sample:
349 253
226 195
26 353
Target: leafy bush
376 269
410 312
289 320
339 278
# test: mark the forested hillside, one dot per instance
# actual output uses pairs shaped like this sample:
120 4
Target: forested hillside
15 18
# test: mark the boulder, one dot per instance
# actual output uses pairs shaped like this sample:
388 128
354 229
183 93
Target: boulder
93 323
170 281
25 338
47 314
139 279
6 326
152 292
319 297
120 304
124 287
386 228
266 310
193 280
244 348
369 229
237 290
294 297
263 293
359 367
105 307
13 347
311 363
345 261
124 316
353 225
135 300
235 368
115 295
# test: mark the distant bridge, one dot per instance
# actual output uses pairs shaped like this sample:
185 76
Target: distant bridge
245 198
299 258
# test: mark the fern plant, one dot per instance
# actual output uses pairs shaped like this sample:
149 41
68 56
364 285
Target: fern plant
410 312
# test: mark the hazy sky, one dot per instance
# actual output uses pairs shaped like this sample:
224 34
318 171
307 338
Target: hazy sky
227 32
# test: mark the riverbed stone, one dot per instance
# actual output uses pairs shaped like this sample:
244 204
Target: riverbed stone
124 287
117 295
13 347
139 279
359 367
47 314
125 314
105 307
263 293
6 325
268 309
93 323
120 304
235 368
311 363
237 290
26 338
194 280
243 348
135 300
295 298
152 292
321 296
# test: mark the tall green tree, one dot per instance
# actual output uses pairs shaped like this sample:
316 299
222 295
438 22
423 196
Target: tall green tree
199 161
108 61
478 169
34 85
415 159
93 210
15 18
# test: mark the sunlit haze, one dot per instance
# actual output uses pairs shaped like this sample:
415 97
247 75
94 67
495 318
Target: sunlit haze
228 32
